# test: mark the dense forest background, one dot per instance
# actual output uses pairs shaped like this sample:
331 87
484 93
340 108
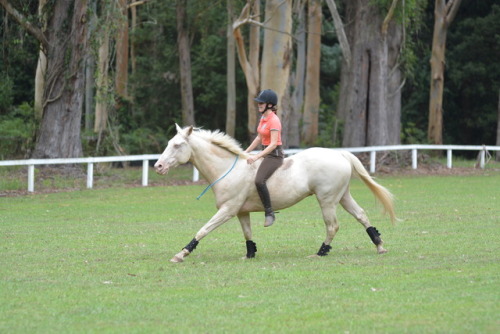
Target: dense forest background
142 120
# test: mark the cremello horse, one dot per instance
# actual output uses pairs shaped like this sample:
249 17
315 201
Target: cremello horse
323 172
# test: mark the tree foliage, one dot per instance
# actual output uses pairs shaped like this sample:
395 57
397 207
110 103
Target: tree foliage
472 77
143 123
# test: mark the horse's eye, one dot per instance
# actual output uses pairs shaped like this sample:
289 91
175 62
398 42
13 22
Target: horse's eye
176 146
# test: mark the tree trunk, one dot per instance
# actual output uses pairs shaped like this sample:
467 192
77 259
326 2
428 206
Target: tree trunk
231 73
250 65
254 58
312 94
298 78
370 97
498 126
185 64
59 133
101 108
133 21
277 54
444 13
121 76
89 91
41 70
89 72
395 83
340 31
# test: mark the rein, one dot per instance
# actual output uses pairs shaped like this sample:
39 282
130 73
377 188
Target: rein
220 178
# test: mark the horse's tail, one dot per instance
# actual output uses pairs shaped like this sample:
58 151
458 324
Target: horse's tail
381 193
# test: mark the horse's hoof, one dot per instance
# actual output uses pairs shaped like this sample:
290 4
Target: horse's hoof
177 259
382 251
314 256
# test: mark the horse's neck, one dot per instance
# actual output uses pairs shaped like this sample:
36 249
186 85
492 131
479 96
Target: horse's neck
210 165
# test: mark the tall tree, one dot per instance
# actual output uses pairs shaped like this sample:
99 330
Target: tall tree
277 53
184 49
65 42
370 94
312 99
103 89
298 76
90 71
444 13
122 51
250 63
231 73
41 69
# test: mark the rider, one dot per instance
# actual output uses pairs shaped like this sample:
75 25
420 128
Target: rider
269 135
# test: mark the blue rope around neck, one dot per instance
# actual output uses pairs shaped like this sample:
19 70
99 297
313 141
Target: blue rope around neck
220 178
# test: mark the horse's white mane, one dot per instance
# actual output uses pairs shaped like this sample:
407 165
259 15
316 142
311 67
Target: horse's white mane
220 139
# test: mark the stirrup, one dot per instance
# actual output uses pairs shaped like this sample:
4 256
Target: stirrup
270 218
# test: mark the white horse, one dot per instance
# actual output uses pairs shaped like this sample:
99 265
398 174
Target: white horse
323 172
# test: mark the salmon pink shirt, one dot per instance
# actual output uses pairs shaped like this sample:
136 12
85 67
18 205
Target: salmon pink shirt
268 124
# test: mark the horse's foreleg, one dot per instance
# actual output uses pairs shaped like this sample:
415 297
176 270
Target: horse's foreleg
247 232
222 216
332 226
350 205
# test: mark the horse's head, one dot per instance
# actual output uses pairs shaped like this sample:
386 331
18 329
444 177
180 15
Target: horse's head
178 151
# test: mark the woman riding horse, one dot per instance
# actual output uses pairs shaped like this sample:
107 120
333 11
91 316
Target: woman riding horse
269 135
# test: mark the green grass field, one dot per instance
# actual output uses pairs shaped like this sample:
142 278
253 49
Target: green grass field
97 261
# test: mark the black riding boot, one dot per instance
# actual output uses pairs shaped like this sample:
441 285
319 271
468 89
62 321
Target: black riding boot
266 201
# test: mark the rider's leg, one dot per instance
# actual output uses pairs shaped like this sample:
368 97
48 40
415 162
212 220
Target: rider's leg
266 169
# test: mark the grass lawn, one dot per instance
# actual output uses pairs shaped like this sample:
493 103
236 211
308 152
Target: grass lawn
97 261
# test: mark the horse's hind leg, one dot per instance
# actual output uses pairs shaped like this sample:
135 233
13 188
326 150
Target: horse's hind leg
247 232
350 205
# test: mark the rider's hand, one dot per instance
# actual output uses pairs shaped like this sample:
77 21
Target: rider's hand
251 160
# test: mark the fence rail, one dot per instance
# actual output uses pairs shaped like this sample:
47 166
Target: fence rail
90 161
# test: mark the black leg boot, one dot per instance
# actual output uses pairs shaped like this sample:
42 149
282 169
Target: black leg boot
266 200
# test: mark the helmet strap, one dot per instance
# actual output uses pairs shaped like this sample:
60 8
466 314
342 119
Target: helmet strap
269 106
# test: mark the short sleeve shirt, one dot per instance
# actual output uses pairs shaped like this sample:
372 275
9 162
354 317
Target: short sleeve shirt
268 124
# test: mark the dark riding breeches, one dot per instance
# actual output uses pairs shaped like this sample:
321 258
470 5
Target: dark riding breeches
268 166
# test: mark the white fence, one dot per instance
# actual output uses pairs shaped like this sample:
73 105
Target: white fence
90 161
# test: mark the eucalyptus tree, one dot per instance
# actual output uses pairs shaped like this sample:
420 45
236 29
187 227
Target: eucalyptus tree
65 43
231 72
310 118
277 53
444 14
249 61
272 71
371 78
184 47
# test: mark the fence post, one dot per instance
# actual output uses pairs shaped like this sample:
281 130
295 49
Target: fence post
414 158
145 170
90 175
482 157
373 161
31 178
448 159
196 174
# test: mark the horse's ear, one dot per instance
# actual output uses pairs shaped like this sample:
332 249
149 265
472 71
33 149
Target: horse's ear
189 130
179 129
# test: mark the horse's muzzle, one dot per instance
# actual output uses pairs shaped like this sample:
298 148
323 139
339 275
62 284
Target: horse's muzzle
161 168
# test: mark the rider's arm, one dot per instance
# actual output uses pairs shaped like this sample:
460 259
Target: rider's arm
254 144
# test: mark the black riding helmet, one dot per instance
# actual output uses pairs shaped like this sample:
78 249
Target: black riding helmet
267 96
